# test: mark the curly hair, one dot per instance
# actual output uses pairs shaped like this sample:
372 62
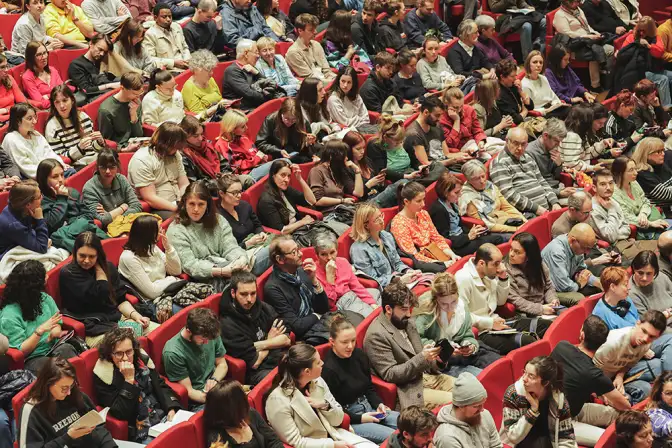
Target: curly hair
114 337
24 286
397 294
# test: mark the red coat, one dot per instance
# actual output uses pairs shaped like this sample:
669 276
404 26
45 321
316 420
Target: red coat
241 153
10 97
470 128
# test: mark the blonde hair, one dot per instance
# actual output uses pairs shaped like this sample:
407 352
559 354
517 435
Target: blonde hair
390 128
363 214
265 42
444 285
644 150
454 93
233 118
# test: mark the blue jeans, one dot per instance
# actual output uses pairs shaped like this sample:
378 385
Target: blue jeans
6 430
526 38
662 83
455 371
262 261
375 432
260 171
388 197
641 387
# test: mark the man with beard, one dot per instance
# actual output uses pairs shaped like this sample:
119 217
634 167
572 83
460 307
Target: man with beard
250 328
483 285
416 426
119 115
293 289
466 420
85 72
164 41
395 350
364 30
242 20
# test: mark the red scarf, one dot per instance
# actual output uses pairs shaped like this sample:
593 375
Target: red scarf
207 160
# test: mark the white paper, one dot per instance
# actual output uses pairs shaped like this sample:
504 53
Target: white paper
91 418
180 416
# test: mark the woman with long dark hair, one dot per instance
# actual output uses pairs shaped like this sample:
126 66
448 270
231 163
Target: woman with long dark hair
577 149
10 91
299 385
407 80
659 408
339 48
311 108
163 102
277 206
30 318
22 221
92 293
563 80
648 289
39 78
129 46
229 420
493 123
345 105
634 430
53 404
69 130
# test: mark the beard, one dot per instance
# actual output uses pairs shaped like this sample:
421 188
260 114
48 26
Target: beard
473 421
401 324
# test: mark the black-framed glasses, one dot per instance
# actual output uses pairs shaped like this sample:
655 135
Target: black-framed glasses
296 251
120 355
235 192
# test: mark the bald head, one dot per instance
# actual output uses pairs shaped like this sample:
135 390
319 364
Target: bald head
665 245
487 260
579 206
516 142
581 238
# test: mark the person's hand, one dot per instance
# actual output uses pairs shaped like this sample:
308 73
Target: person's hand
133 107
642 220
131 147
311 139
499 324
506 122
548 310
350 53
518 85
352 165
330 269
179 63
209 385
413 175
618 384
556 157
589 97
583 277
533 400
278 329
382 408
163 315
649 354
122 11
142 320
602 259
61 190
171 415
449 263
184 3
76 433
307 220
576 100
567 192
620 30
369 417
608 142
348 201
256 239
659 224
476 231
636 137
465 351
430 352
341 444
315 403
408 277
127 370
69 10
36 213
163 239
644 42
667 132
556 206
502 273
49 324
606 203
218 21
541 211
615 152
309 267
452 113
54 44
375 180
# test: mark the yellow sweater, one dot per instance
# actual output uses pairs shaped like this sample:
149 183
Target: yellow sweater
197 100
665 33
56 22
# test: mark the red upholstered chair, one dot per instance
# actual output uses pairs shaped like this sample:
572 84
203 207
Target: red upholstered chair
61 60
17 403
608 439
305 171
430 196
4 199
539 228
54 290
91 109
566 327
257 116
183 434
282 47
409 121
16 359
319 37
521 356
589 303
182 78
496 378
201 435
82 176
218 73
364 325
7 23
445 49
552 216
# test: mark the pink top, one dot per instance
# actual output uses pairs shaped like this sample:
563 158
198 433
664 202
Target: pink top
412 236
346 280
35 88
9 97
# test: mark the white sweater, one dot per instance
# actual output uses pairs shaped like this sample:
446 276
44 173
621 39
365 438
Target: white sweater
148 274
28 153
347 112
157 108
540 92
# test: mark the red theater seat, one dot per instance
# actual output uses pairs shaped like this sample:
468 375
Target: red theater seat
7 23
496 378
566 327
522 355
78 180
257 116
539 228
181 435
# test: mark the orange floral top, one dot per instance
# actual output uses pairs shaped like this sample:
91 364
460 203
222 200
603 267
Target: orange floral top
412 235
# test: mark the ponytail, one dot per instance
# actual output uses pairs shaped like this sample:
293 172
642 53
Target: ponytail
158 76
408 192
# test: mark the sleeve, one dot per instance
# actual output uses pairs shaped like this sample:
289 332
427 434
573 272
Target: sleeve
653 187
270 214
192 265
190 39
30 86
455 62
443 28
131 199
280 415
55 143
317 183
509 107
35 239
104 25
561 25
555 86
464 289
21 36
150 111
237 83
522 304
666 39
413 33
434 234
7 166
369 96
607 224
404 239
135 273
516 422
559 272
337 111
106 125
450 134
370 393
271 439
149 45
175 366
82 78
422 325
426 76
382 360
354 284
264 141
503 178
51 26
240 345
298 64
91 200
276 297
465 333
570 150
122 401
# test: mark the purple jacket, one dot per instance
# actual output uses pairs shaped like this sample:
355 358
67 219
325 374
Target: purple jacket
567 87
493 50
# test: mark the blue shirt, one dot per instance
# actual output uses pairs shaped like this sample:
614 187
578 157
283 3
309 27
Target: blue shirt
379 265
563 264
609 315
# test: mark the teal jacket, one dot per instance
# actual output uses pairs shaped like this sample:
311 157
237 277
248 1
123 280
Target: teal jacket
430 332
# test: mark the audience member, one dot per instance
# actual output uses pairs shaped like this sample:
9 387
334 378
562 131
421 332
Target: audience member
30 27
407 80
364 30
665 33
650 291
130 46
242 20
379 87
141 10
194 357
658 408
579 207
86 71
68 23
276 19
537 87
312 110
39 78
513 100
22 221
126 380
274 66
205 29
422 20
633 428
338 45
120 110
620 125
665 253
316 8
201 92
465 58
562 78
251 328
182 8
491 119
654 174
9 172
544 151
391 32
306 57
602 18
106 16
416 428
487 43
435 72
164 40
461 128
10 90
162 102
615 307
412 367
648 111
241 78
576 149
345 105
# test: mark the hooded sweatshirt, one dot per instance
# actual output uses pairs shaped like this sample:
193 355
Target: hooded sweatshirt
453 433
365 37
389 35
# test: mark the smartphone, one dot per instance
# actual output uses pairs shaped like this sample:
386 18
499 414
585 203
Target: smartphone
380 415
559 307
424 170
383 172
446 349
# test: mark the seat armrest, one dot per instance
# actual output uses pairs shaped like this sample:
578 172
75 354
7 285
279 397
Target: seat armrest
75 325
469 221
387 391
16 359
506 310
180 391
237 368
309 211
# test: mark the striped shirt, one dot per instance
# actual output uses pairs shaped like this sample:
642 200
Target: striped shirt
576 153
65 141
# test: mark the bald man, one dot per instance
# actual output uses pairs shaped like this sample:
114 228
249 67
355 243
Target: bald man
517 176
665 253
565 258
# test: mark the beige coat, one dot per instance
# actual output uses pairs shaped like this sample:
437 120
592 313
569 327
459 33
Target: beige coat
309 61
166 47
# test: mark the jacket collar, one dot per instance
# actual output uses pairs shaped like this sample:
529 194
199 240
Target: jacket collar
470 267
105 369
405 345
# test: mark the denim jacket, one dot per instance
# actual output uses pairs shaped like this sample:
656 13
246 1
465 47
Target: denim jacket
367 257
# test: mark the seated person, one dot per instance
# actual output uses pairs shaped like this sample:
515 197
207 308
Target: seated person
408 81
56 396
164 41
10 90
446 217
391 32
434 70
531 289
85 71
9 172
106 17
538 89
294 291
632 424
241 76
278 203
658 410
274 66
69 130
581 145
201 92
378 87
365 29
338 46
347 372
276 19
39 79
602 17
633 350
251 329
416 427
283 134
461 128
620 125
443 316
487 42
579 208
203 239
25 145
513 100
68 23
194 357
306 57
130 46
345 105
415 372
240 20
119 117
465 58
30 27
244 223
421 20
22 221
648 110
564 256
482 200
483 285
636 207
518 178
141 10
92 293
491 119
562 79
204 30
654 174
126 381
338 279
526 401
30 318
312 110
162 102
108 193
615 307
608 221
157 173
650 291
544 151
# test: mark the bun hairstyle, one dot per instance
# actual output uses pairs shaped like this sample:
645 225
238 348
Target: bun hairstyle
408 192
390 129
550 372
298 358
339 323
159 76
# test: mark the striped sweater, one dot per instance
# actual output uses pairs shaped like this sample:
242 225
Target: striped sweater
518 418
576 153
657 184
65 141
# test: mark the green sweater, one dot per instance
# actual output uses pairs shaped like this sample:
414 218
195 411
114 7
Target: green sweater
17 329
120 192
201 250
114 122
63 210
431 332
633 207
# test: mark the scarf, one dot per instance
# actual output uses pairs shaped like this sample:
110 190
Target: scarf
208 161
149 408
484 201
577 15
304 291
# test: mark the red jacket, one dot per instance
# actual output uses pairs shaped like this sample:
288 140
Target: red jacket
241 153
470 128
10 97
657 50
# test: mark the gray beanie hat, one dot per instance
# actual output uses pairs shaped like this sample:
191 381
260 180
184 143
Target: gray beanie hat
468 390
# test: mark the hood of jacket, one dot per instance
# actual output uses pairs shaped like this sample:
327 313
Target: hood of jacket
386 23
228 306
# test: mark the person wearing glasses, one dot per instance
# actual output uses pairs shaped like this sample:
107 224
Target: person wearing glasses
653 174
126 380
615 307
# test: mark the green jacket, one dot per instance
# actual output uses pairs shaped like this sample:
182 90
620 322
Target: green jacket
430 332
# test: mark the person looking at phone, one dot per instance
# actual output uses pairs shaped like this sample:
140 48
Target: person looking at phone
54 402
536 411
620 124
68 23
293 288
119 116
251 329
648 110
443 319
413 367
347 372
22 221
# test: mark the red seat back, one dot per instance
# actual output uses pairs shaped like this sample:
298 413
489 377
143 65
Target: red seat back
496 378
201 435
124 161
7 24
261 281
283 5
388 214
78 180
256 118
113 248
566 327
319 37
4 200
91 109
608 439
344 244
459 264
305 171
550 31
256 397
589 303
282 47
539 228
522 355
430 196
17 402
53 286
361 328
84 365
42 118
182 78
253 193
16 72
183 434
445 49
323 350
61 60
218 73
553 216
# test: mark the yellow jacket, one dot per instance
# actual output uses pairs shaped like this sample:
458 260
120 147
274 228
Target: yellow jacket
665 34
56 22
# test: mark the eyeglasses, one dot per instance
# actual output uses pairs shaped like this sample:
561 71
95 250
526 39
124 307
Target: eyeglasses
660 151
517 144
296 251
66 389
235 192
379 218
120 355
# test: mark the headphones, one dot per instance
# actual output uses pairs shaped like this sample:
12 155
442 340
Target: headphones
621 308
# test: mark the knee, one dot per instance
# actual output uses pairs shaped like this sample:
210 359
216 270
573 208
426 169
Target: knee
527 26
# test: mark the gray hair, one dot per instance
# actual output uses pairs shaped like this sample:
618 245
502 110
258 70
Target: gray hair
466 27
324 241
472 168
516 130
576 200
484 22
243 46
555 128
203 59
207 5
